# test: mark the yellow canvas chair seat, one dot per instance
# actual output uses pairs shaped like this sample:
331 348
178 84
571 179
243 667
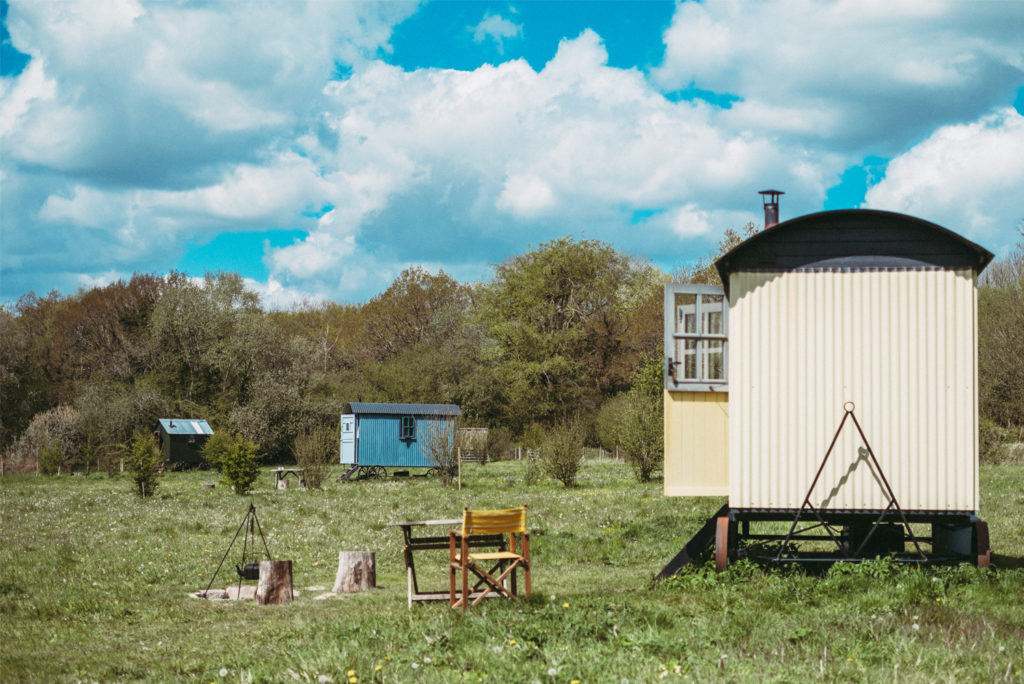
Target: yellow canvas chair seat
503 563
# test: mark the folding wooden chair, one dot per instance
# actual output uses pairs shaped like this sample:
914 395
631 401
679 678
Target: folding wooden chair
504 563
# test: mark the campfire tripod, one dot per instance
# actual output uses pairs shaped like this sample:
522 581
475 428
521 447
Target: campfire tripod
249 568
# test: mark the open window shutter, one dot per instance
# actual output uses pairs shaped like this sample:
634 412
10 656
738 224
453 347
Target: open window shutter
696 338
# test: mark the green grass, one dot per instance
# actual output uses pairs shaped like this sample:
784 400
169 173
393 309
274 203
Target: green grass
94 586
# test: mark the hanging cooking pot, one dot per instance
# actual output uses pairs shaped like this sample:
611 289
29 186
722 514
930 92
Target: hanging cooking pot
251 571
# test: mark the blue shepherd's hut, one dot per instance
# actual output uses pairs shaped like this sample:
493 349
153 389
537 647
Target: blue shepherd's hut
378 436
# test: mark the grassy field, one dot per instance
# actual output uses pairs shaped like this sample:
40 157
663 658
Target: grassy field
94 586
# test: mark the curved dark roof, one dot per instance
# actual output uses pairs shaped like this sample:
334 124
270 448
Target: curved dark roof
853 238
406 409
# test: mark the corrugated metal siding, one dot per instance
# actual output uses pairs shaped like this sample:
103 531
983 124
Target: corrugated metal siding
696 455
901 345
378 442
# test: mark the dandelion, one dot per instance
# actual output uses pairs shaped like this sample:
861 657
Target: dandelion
552 672
378 668
915 627
426 660
351 673
353 680
223 672
415 665
565 605
511 642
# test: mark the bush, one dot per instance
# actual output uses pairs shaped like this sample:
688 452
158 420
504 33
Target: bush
50 459
534 469
142 462
640 434
236 458
314 451
562 452
441 444
59 427
499 444
993 442
217 445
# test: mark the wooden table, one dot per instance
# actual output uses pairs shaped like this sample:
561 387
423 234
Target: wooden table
435 541
281 473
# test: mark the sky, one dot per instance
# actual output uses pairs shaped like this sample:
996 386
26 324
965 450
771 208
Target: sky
320 147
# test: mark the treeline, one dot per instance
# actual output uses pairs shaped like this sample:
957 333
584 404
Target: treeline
1001 356
571 330
556 333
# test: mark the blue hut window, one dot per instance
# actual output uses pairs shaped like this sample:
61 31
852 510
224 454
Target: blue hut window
408 428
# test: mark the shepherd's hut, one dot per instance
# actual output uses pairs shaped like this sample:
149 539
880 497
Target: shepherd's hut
378 436
182 439
830 383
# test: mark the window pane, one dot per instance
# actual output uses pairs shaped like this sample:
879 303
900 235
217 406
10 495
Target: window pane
713 310
686 355
408 428
713 359
686 313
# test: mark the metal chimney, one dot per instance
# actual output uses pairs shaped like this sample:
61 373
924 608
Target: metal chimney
771 206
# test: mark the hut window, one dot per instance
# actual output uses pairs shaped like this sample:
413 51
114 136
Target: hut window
407 430
695 337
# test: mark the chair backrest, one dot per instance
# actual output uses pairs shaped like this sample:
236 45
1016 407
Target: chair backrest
503 521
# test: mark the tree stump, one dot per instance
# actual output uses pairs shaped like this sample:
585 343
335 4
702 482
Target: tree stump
357 571
275 586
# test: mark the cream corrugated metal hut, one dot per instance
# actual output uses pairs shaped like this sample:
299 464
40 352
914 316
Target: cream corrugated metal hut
862 309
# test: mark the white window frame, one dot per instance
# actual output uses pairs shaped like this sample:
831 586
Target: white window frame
673 376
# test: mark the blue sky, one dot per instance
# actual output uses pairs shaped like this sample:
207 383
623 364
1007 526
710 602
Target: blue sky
318 148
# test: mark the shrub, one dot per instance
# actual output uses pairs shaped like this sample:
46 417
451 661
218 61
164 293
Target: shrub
534 469
563 452
60 427
216 446
240 466
499 444
993 442
50 459
640 434
441 444
142 462
236 458
314 451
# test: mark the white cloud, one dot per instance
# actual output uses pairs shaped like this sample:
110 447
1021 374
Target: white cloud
140 127
496 28
526 195
848 73
17 94
967 177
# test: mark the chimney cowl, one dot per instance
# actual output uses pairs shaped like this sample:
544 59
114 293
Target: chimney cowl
771 206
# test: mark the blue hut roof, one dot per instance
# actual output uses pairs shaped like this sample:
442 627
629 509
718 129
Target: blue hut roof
186 426
406 409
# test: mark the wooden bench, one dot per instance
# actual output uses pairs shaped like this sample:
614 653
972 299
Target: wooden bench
280 475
